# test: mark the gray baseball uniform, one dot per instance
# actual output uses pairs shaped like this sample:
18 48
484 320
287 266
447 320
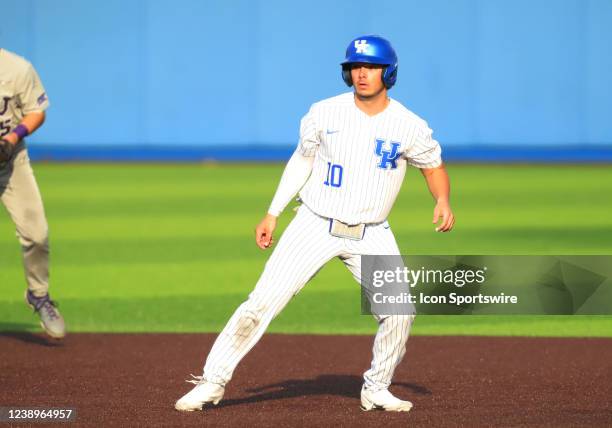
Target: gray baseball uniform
21 93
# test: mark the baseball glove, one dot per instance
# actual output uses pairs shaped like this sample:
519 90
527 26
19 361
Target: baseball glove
7 149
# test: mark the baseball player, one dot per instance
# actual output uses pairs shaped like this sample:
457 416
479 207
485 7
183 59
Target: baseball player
348 168
23 102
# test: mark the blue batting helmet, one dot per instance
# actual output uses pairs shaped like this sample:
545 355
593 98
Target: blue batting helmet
371 49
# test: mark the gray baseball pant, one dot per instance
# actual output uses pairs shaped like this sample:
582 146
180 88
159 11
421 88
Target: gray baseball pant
20 195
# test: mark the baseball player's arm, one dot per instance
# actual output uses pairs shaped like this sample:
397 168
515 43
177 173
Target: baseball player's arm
33 100
425 153
296 173
31 122
439 186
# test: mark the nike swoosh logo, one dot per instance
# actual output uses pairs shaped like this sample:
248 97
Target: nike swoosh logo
331 132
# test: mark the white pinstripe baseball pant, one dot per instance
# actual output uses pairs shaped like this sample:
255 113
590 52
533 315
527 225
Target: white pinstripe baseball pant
303 249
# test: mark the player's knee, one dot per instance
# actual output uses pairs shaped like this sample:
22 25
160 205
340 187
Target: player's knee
249 318
37 236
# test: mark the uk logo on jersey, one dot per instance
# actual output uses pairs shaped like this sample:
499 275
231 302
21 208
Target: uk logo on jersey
361 46
388 158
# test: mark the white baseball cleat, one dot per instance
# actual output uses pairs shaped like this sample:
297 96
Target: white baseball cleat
204 392
383 400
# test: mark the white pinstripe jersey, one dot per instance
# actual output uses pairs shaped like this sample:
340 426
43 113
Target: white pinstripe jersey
360 160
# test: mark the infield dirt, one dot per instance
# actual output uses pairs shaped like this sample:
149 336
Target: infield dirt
302 380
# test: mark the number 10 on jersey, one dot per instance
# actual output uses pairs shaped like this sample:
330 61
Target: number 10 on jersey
334 175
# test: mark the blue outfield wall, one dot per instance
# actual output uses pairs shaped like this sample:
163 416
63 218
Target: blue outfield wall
506 154
487 75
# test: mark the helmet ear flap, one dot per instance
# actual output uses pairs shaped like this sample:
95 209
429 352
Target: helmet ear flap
389 76
346 75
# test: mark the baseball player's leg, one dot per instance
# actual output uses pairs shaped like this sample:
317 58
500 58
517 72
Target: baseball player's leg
303 249
21 197
388 350
393 330
23 202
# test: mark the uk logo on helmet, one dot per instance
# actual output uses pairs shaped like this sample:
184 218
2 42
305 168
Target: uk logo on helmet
361 46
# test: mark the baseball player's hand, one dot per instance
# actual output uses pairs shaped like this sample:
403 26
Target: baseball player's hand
443 211
6 150
264 230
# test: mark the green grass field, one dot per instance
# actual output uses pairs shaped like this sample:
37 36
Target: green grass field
170 248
